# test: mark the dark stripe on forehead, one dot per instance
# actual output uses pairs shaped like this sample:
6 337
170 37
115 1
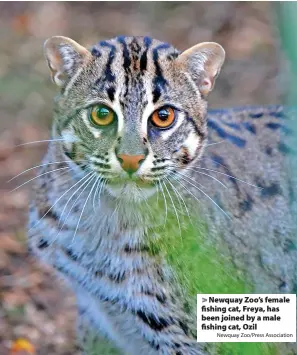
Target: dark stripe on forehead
143 60
109 76
110 93
107 80
159 81
127 61
135 50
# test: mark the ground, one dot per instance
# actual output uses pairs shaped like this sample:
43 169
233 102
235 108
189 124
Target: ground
33 303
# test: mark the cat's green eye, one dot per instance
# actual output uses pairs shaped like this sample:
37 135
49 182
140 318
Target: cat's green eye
102 115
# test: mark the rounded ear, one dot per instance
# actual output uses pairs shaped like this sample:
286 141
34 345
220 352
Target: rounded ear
64 56
203 62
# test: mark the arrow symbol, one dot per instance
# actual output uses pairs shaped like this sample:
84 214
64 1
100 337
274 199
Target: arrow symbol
204 299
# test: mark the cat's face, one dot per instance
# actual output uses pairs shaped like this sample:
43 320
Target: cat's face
133 107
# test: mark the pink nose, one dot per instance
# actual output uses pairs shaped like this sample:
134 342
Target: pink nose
130 163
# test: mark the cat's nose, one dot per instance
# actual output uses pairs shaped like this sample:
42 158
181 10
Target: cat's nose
130 163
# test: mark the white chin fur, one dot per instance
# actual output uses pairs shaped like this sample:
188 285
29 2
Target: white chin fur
130 192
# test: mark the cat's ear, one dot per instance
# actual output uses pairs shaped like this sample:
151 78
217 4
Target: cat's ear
203 62
64 56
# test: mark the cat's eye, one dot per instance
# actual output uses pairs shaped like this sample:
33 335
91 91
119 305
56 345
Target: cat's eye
102 115
164 117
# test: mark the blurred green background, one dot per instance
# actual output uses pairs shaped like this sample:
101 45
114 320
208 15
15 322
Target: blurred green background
32 303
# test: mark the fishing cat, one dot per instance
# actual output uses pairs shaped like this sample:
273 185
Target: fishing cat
131 130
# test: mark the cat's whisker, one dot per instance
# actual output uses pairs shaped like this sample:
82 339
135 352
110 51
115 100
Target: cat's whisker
98 183
85 182
76 229
233 177
69 199
166 207
204 193
196 198
199 172
101 189
181 198
208 145
86 178
39 166
175 211
214 161
36 224
220 182
116 208
157 194
178 196
219 172
96 191
145 201
45 140
180 208
193 179
103 183
36 177
177 179
190 192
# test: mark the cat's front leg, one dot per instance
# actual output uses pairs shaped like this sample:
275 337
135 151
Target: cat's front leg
140 324
91 340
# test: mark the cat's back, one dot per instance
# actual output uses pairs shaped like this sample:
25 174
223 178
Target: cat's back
251 152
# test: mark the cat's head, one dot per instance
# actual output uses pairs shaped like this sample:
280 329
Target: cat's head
133 107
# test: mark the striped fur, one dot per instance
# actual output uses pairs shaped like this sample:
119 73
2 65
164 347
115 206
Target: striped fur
92 222
123 290
134 76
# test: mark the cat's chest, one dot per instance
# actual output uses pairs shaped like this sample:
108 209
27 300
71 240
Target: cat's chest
105 245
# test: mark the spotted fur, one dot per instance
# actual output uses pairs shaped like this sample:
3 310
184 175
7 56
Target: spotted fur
256 145
90 221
